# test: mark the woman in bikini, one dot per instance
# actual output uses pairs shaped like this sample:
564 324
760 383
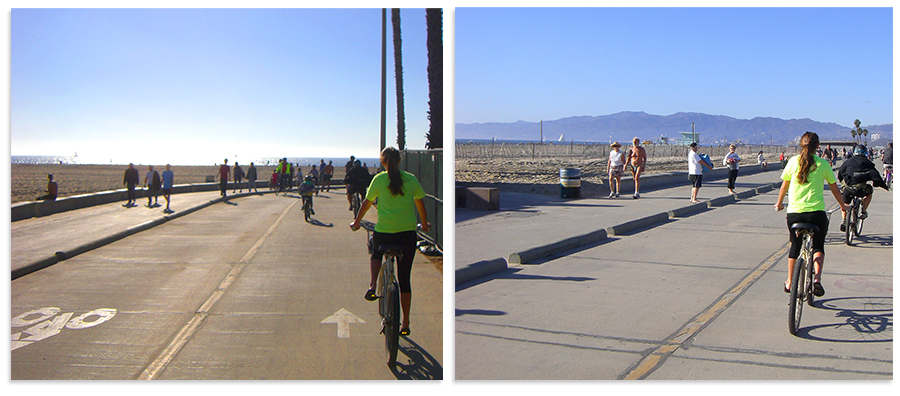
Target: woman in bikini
638 159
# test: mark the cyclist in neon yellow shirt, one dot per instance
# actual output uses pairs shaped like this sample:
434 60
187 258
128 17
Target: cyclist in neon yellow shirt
399 196
804 177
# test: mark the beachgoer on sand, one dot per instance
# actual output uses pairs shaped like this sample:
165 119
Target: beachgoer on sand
52 190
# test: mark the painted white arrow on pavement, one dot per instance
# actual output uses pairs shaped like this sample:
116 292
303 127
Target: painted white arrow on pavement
343 318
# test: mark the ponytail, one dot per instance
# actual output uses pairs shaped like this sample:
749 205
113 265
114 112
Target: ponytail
809 142
390 158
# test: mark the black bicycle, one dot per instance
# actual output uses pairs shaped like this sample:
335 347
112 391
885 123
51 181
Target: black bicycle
356 203
307 208
388 292
802 277
853 220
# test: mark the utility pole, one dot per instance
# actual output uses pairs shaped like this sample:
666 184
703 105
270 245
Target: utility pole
383 79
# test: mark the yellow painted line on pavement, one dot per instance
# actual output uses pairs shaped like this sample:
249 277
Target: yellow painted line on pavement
652 361
189 329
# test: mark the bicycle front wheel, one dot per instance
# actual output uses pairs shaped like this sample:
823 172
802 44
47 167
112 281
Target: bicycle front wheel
795 306
392 322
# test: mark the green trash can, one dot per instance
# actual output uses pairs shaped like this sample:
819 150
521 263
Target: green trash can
570 183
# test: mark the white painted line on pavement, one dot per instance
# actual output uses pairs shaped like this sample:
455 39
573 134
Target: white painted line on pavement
189 329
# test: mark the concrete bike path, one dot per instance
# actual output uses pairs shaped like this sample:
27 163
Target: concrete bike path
43 241
695 298
529 227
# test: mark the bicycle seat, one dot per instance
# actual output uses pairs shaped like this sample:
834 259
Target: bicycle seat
805 226
392 248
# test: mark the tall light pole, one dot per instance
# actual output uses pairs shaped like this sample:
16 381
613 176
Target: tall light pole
383 79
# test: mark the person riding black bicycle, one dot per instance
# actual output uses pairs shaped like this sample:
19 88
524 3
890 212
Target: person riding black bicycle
854 175
805 177
357 180
307 188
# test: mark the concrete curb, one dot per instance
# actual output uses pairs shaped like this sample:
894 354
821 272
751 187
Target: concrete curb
638 224
686 211
530 256
480 269
65 255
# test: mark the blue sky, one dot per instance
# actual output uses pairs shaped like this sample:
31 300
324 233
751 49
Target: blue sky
826 64
198 85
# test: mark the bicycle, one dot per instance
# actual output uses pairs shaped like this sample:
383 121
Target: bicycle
802 277
387 291
307 208
356 203
853 223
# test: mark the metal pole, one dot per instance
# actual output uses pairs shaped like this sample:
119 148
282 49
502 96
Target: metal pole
383 79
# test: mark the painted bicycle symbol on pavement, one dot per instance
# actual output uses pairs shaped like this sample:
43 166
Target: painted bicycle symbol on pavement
48 322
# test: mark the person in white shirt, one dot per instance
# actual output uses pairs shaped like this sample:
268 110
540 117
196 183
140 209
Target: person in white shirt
615 167
732 161
695 171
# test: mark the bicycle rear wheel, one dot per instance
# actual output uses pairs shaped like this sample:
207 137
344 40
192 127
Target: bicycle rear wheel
306 210
857 221
795 306
809 272
848 224
392 322
356 204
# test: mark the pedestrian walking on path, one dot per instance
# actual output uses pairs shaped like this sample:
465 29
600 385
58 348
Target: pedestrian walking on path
251 178
152 184
238 177
224 171
168 179
695 171
615 167
637 157
732 161
130 181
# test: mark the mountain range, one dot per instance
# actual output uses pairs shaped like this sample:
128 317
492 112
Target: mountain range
713 129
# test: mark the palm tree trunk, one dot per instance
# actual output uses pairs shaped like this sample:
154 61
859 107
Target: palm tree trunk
435 42
398 71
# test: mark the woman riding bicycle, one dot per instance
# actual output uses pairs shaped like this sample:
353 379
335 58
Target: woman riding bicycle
805 176
399 196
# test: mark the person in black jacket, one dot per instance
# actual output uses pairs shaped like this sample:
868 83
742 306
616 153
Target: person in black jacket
357 180
131 180
854 175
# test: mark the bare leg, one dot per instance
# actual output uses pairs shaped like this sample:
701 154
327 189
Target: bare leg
375 267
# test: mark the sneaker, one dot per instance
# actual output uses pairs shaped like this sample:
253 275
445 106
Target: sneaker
864 215
636 196
370 295
818 290
843 227
612 195
617 195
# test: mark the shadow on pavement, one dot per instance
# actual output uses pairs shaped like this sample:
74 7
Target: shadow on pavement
420 364
511 274
860 320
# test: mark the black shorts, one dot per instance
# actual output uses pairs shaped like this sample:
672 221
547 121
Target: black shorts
696 180
404 266
818 218
352 189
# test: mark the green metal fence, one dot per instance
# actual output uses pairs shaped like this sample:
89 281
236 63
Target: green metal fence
428 166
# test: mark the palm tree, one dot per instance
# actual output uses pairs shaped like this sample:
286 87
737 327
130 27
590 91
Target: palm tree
435 43
853 134
398 77
865 133
856 132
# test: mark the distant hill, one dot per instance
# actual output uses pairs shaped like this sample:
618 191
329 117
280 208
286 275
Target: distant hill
622 127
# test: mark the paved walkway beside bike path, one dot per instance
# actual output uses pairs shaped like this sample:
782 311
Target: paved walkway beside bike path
696 298
528 228
43 241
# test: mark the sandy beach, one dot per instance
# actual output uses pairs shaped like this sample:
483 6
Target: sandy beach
540 175
29 181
